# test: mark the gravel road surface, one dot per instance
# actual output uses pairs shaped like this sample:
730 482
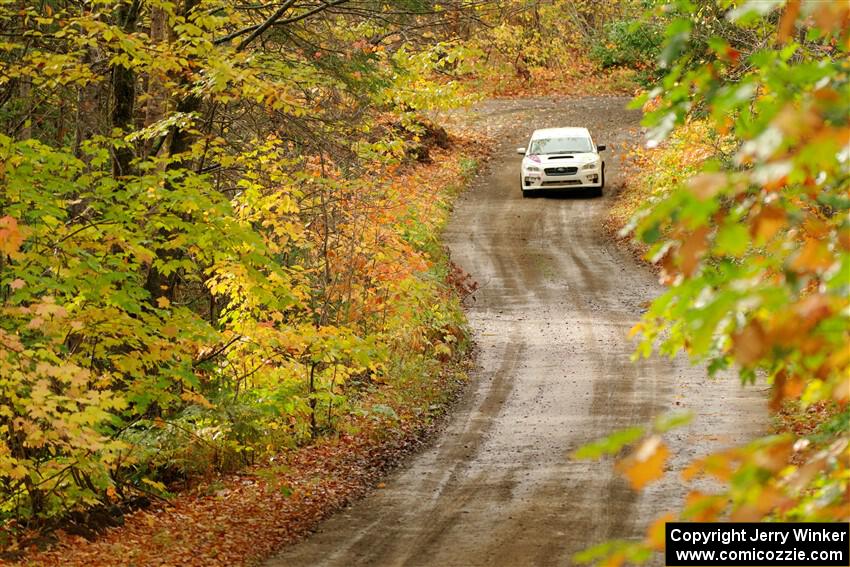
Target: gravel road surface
550 319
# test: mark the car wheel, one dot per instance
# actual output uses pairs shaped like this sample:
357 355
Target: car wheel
525 193
601 188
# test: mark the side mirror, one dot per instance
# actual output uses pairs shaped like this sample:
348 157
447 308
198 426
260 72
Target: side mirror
520 151
600 148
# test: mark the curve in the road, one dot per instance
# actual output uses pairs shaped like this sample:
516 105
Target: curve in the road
550 321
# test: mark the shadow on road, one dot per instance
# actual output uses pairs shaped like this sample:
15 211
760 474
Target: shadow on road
569 194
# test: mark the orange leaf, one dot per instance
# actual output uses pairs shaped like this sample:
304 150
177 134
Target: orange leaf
706 185
692 470
813 309
789 18
816 228
655 535
767 223
702 507
668 268
692 250
831 15
720 465
841 393
749 344
814 257
778 391
768 500
844 238
646 463
774 457
615 560
733 54
10 235
802 476
793 387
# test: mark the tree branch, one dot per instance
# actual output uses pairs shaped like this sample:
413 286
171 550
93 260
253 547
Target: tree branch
274 20
256 28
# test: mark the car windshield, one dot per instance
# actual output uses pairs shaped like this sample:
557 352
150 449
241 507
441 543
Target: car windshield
567 145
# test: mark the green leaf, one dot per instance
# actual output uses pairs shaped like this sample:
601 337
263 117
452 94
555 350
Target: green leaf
732 240
666 422
610 444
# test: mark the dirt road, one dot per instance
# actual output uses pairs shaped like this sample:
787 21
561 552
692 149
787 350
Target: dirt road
550 319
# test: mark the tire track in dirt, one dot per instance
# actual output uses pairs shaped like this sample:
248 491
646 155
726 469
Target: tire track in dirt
550 320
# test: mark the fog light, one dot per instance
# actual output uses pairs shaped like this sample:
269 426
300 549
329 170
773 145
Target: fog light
530 180
594 178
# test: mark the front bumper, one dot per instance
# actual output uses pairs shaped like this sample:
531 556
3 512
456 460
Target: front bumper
578 180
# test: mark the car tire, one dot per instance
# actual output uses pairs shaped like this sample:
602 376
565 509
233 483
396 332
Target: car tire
525 193
601 189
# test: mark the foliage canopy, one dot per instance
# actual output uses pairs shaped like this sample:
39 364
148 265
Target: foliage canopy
753 240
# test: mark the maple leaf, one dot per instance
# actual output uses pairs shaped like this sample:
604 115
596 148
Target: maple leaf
11 236
646 463
706 185
750 343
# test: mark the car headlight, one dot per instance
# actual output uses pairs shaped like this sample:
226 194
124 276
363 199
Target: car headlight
532 168
591 165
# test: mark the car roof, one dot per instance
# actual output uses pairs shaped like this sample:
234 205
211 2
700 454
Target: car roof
559 132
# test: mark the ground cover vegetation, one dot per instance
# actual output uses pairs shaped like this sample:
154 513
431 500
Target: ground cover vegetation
214 245
741 200
243 517
563 47
203 256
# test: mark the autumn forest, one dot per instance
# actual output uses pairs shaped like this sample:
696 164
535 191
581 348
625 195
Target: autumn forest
230 303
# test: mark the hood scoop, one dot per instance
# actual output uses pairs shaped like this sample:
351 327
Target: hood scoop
560 157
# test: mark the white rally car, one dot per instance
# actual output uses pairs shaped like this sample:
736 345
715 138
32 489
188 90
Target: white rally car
561 158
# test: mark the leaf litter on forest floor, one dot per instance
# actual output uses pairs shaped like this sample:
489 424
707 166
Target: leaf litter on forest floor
242 518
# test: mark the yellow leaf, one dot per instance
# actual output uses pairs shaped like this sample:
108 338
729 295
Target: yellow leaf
163 302
194 397
655 535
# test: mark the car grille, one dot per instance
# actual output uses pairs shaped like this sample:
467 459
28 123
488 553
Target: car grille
561 170
563 182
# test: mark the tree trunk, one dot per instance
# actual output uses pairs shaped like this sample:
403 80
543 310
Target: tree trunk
177 141
157 99
314 428
123 92
26 96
